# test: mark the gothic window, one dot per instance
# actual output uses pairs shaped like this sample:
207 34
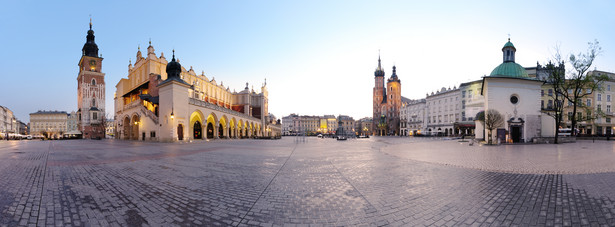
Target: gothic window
93 102
93 81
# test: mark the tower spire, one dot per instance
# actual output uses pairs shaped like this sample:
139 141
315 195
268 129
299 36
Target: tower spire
90 21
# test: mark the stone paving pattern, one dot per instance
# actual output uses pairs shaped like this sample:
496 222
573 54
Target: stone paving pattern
319 182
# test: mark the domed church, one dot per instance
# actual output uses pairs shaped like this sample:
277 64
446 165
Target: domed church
516 96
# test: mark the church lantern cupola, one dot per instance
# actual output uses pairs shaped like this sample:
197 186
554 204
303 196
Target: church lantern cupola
174 69
509 51
90 48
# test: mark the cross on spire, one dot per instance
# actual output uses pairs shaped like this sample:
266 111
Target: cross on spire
90 21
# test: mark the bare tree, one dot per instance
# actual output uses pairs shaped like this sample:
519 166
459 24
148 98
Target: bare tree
556 80
579 84
493 120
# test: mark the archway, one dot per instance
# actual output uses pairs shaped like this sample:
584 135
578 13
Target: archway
198 134
127 128
212 121
222 125
180 132
196 117
210 130
240 128
134 135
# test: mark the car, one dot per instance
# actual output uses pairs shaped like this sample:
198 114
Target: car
341 138
564 132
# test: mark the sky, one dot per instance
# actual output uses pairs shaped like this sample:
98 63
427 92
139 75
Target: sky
318 57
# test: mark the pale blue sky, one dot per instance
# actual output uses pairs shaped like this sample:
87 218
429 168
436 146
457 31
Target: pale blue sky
318 56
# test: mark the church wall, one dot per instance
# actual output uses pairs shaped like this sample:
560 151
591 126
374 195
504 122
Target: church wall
498 93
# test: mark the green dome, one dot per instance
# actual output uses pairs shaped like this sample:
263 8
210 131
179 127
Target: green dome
509 44
509 69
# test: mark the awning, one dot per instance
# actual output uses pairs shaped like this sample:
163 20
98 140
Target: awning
465 124
74 132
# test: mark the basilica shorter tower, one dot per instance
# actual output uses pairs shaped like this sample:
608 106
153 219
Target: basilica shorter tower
91 90
386 103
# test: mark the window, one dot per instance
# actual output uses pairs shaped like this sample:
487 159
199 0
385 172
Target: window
588 91
569 116
550 92
542 92
550 104
599 108
608 108
93 102
94 116
608 120
608 98
608 87
589 102
579 116
599 97
463 94
93 82
542 104
514 99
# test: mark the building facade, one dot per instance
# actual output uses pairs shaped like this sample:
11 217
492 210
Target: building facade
8 122
48 124
386 103
413 117
443 111
327 125
91 90
162 101
363 126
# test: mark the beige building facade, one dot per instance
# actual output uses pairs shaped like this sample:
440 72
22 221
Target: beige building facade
48 124
162 101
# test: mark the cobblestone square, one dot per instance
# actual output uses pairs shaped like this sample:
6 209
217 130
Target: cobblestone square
311 182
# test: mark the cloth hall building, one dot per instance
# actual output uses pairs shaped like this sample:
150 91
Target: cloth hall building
163 101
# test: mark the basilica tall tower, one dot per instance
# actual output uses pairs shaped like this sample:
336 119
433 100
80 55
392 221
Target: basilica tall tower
91 90
380 100
386 103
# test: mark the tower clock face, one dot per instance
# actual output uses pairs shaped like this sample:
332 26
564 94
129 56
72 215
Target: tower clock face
92 62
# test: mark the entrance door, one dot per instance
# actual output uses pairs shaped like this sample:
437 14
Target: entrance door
180 132
197 130
210 131
515 134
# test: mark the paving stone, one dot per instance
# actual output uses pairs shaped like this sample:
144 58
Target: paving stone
320 182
